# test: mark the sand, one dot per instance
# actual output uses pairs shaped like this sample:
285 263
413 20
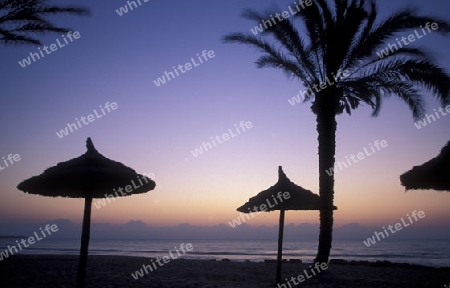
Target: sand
115 271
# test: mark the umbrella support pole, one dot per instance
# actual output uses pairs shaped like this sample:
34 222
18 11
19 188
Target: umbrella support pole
280 245
85 235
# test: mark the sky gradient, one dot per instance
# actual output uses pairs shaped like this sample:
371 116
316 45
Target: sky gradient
154 129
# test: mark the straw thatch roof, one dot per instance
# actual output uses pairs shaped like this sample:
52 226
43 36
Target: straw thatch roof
90 174
284 195
300 198
434 174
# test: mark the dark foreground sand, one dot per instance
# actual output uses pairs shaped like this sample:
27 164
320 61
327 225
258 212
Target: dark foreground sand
115 271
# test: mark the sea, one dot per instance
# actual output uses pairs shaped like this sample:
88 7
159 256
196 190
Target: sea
434 253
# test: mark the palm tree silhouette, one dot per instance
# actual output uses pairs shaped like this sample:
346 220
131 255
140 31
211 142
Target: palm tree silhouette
20 19
339 39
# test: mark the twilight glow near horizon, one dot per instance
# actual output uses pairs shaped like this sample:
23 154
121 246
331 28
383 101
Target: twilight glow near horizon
212 136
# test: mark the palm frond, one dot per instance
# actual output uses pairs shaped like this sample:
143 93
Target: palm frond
348 39
274 56
400 22
21 19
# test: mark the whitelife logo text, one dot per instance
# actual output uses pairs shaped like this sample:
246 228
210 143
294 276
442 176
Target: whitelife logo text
35 56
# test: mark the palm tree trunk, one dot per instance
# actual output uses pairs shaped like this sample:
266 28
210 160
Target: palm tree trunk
326 127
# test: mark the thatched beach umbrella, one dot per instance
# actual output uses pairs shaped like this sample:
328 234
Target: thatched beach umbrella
88 176
434 174
284 195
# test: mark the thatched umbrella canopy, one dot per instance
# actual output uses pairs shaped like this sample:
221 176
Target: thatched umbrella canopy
271 200
434 174
88 176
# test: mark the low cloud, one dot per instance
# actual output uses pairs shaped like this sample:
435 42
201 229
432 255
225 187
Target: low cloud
136 229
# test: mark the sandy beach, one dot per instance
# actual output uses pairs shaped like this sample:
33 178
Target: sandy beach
115 271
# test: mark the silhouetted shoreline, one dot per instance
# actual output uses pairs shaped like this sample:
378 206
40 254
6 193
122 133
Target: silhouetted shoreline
115 271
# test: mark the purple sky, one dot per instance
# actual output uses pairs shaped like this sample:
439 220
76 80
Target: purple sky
154 129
